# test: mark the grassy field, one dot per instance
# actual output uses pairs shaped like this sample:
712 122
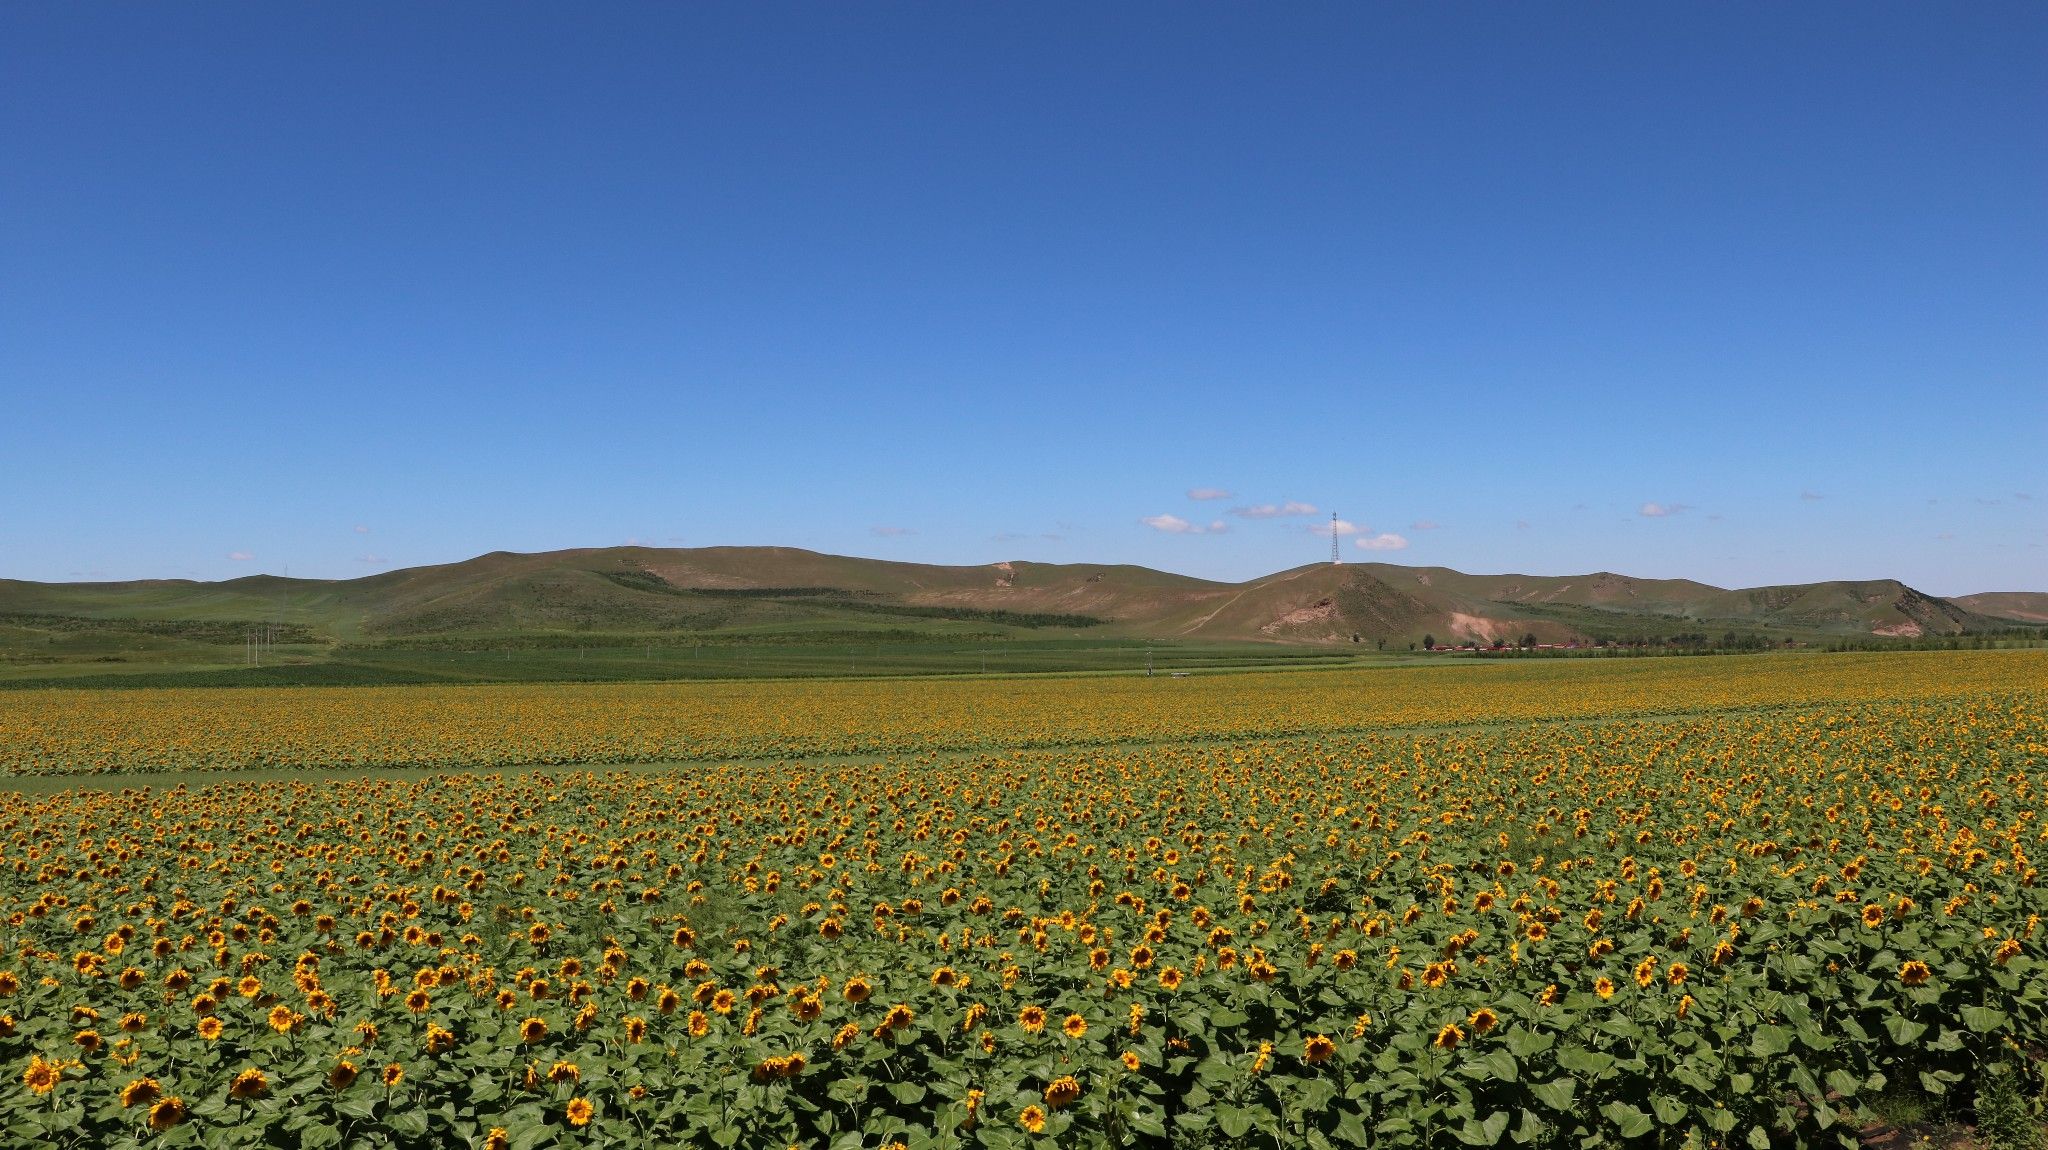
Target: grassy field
1716 901
659 658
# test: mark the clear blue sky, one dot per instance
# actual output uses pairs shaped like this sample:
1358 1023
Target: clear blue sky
349 287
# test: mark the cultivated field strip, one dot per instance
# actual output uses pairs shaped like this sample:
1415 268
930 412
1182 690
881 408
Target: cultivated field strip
127 731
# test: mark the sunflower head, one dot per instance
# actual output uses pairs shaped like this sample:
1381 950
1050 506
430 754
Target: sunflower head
579 1112
167 1112
42 1075
250 1083
141 1092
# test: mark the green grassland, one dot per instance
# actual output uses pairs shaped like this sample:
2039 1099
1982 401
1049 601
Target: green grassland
656 660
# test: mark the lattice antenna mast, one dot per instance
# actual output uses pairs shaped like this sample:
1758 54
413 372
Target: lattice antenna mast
1336 559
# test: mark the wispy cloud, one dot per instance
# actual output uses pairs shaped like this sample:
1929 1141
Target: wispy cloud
1425 525
1811 496
2023 497
1175 525
1280 510
240 556
1208 493
370 560
1662 510
1337 526
362 529
1384 541
891 532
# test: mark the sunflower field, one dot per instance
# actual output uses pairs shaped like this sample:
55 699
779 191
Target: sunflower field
70 731
1645 907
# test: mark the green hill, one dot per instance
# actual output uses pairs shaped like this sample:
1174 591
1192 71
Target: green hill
769 596
2018 606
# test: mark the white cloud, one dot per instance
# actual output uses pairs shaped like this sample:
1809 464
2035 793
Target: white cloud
240 556
1811 496
362 529
888 532
1175 525
1207 493
1274 510
1340 526
1384 541
1425 525
1662 510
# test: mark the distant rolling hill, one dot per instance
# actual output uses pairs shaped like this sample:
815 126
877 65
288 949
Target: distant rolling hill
770 593
2024 606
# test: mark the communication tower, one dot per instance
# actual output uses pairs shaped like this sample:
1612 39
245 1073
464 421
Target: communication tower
1336 559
